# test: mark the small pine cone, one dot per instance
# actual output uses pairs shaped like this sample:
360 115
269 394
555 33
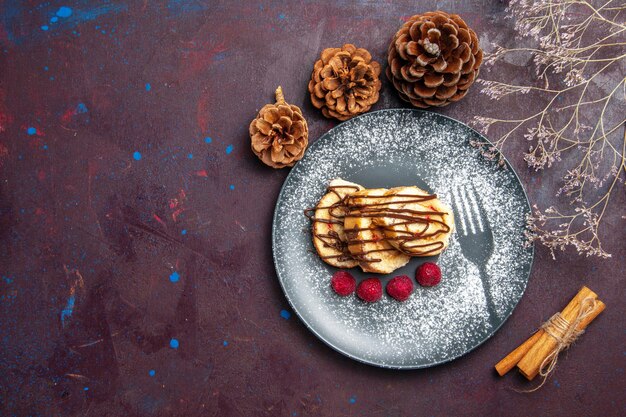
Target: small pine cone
344 82
433 59
279 133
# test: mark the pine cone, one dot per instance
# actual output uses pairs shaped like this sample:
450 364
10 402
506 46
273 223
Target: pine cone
344 82
279 133
433 59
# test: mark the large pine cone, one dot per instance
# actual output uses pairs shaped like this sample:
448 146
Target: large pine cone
344 82
433 59
279 133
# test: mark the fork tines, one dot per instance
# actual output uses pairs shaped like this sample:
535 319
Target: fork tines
466 205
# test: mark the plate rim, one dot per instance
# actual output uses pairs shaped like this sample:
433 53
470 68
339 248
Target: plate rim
343 351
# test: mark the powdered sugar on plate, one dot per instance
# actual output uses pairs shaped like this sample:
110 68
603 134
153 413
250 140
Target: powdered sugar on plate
392 148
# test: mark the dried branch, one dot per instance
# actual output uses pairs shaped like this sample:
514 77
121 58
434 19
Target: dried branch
579 58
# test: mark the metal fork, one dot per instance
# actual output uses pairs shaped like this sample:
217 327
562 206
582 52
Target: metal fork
475 237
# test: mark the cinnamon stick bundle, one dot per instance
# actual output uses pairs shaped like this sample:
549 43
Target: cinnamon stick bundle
531 355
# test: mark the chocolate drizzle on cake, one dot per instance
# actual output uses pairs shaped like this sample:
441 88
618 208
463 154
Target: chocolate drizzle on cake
376 208
337 211
407 239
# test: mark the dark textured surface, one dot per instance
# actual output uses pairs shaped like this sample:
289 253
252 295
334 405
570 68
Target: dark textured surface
91 235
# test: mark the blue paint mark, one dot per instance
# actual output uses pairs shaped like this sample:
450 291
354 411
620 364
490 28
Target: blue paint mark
51 78
208 139
152 372
12 17
229 149
232 187
174 276
45 147
148 87
97 11
353 399
281 16
137 155
285 314
54 19
86 388
183 232
81 108
69 308
174 343
31 130
8 280
225 343
64 11
45 68
104 32
190 156
185 6
45 27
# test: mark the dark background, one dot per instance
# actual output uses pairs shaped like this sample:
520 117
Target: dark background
90 234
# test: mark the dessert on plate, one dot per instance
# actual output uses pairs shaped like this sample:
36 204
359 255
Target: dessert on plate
378 229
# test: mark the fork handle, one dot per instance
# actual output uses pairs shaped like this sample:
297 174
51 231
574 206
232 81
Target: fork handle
491 307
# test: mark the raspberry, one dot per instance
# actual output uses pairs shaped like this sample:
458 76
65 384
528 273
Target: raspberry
343 283
428 274
370 290
400 287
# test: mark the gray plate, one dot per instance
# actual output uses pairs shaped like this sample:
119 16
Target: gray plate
406 147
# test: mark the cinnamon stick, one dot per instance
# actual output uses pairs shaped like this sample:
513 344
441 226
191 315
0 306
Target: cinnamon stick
531 362
510 360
